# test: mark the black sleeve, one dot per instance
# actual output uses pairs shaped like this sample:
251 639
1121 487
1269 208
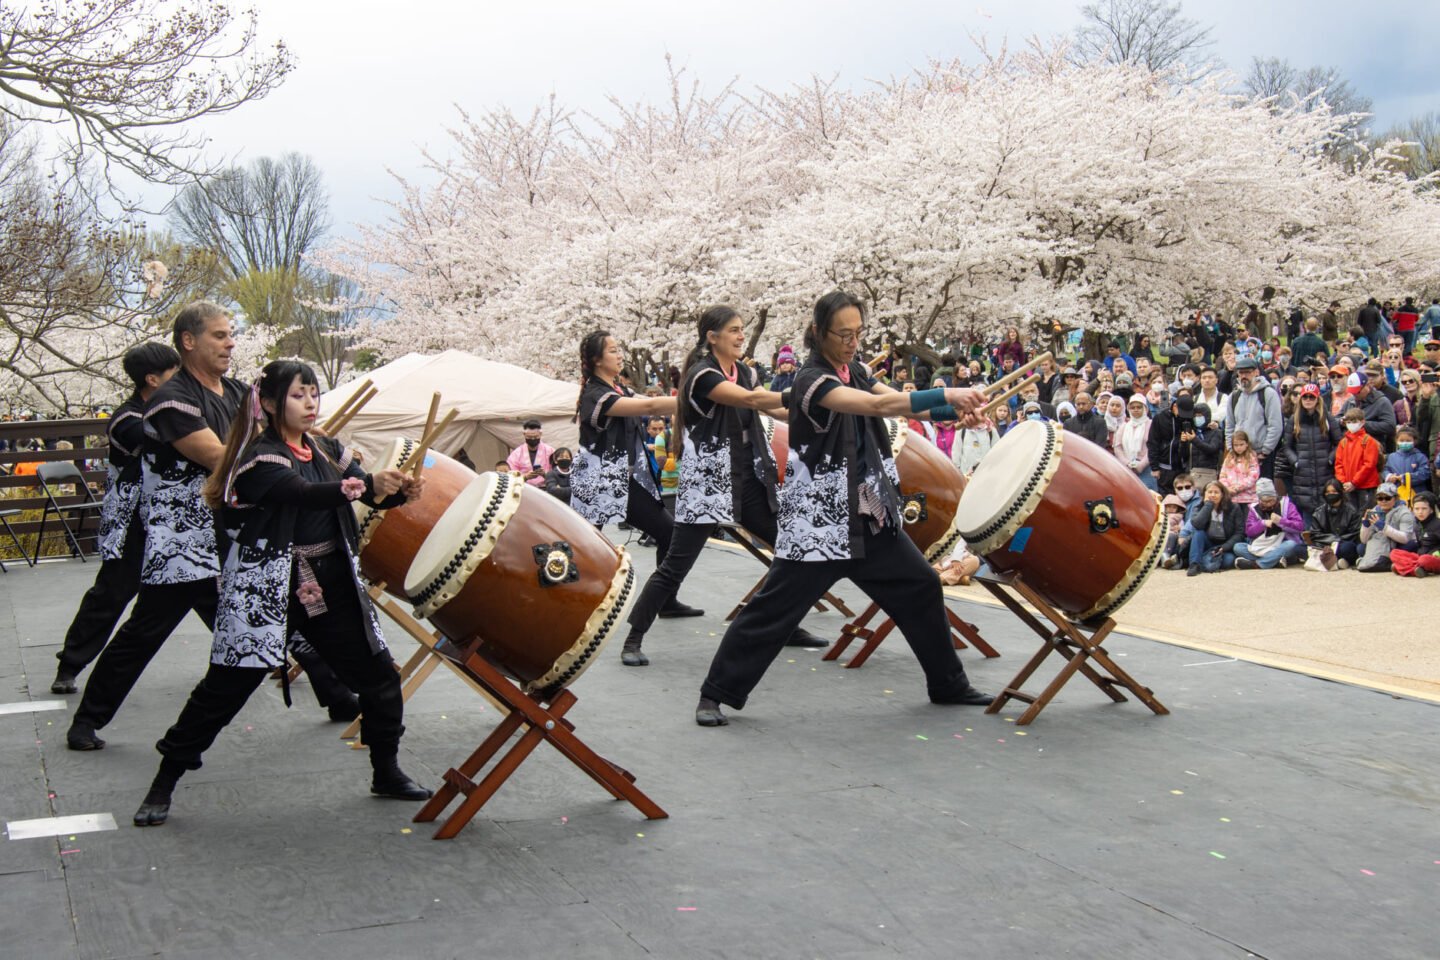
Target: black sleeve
173 414
127 431
294 490
810 390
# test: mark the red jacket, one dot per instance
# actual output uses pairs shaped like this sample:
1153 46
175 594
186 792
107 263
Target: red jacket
1357 460
1404 320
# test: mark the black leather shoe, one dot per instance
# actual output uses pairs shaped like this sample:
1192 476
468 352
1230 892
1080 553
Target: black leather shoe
804 638
708 714
152 814
64 683
83 738
346 710
968 696
398 787
632 656
678 609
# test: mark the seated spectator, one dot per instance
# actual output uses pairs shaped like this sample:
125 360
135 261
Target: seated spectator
1240 469
557 479
1407 464
503 466
1218 525
1273 526
1132 442
1357 461
1424 558
532 458
1064 410
1336 527
972 443
1032 411
1385 526
1184 503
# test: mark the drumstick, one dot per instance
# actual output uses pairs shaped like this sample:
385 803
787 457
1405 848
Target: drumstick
1014 375
417 459
430 417
337 424
356 394
986 410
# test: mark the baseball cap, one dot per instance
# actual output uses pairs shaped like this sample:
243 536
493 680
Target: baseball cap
1355 382
1339 370
1247 363
1310 390
1384 489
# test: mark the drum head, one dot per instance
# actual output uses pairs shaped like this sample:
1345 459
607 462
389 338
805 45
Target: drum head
463 536
1014 471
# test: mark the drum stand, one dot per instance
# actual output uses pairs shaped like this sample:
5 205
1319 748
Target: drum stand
1078 643
422 662
858 629
542 719
757 549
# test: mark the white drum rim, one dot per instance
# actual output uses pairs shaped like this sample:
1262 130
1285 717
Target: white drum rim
767 426
368 518
599 628
899 431
1135 575
993 530
945 546
472 526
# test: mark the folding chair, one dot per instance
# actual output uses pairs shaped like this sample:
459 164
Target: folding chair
57 474
5 516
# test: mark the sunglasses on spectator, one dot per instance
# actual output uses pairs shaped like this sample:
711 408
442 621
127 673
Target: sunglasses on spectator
1383 496
1184 486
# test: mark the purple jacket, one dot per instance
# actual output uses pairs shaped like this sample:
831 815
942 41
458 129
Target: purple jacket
1290 521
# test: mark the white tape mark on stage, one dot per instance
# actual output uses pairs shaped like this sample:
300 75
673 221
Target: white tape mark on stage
1209 663
32 706
59 826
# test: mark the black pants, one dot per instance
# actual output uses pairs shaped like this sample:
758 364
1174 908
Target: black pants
646 514
338 637
685 546
100 608
893 573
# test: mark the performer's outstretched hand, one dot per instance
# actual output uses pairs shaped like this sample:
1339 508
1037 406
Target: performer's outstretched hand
965 399
412 487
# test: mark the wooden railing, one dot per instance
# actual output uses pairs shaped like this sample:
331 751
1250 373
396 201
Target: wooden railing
19 491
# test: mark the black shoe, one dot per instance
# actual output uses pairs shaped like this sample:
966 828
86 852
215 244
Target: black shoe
152 814
707 714
646 541
397 786
678 609
64 683
804 638
1245 563
1421 572
631 655
83 738
968 696
346 710
1194 570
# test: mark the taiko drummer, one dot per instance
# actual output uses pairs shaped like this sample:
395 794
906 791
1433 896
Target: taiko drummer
287 549
840 518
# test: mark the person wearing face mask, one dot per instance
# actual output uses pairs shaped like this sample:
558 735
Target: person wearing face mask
1171 441
1335 528
557 480
1273 526
1407 463
1421 558
1357 461
1131 443
1386 525
1205 449
1031 394
1186 502
531 459
1255 409
1311 437
1032 411
1086 422
1186 378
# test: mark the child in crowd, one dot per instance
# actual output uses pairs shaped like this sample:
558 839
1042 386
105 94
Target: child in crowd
1424 559
1337 527
557 480
1407 463
1357 461
1385 526
1240 469
1180 507
1218 525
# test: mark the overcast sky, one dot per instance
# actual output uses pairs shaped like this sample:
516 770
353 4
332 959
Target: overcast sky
379 81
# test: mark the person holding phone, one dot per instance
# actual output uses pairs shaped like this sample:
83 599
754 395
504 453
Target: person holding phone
1386 525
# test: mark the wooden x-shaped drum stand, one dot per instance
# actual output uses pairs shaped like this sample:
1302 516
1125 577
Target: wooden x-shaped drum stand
757 549
859 629
1079 644
542 720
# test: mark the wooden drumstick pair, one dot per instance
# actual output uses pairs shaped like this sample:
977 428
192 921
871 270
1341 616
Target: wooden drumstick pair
1008 385
416 460
352 405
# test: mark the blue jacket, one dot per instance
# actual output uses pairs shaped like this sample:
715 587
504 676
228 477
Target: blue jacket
1412 462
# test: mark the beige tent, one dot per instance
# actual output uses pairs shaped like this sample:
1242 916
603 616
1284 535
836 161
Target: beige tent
493 400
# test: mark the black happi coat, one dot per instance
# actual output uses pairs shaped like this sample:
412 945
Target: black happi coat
611 453
126 435
179 527
832 456
714 464
256 538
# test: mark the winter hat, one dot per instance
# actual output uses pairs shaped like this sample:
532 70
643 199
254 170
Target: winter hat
1173 501
786 355
1265 488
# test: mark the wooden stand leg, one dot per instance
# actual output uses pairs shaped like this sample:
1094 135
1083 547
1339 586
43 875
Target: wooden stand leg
543 722
859 627
960 631
1077 643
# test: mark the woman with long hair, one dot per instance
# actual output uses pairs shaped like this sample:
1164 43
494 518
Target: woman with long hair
1310 440
611 481
1217 527
840 518
288 545
727 471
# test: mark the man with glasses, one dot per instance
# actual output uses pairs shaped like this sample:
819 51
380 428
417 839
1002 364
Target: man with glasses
1255 408
1385 526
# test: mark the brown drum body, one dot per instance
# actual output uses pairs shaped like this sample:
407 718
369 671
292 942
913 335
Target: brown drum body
1066 515
545 599
389 539
930 484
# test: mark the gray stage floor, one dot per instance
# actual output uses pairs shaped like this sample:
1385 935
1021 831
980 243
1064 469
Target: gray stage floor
840 815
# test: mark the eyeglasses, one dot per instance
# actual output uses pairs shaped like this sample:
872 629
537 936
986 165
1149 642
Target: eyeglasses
851 338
